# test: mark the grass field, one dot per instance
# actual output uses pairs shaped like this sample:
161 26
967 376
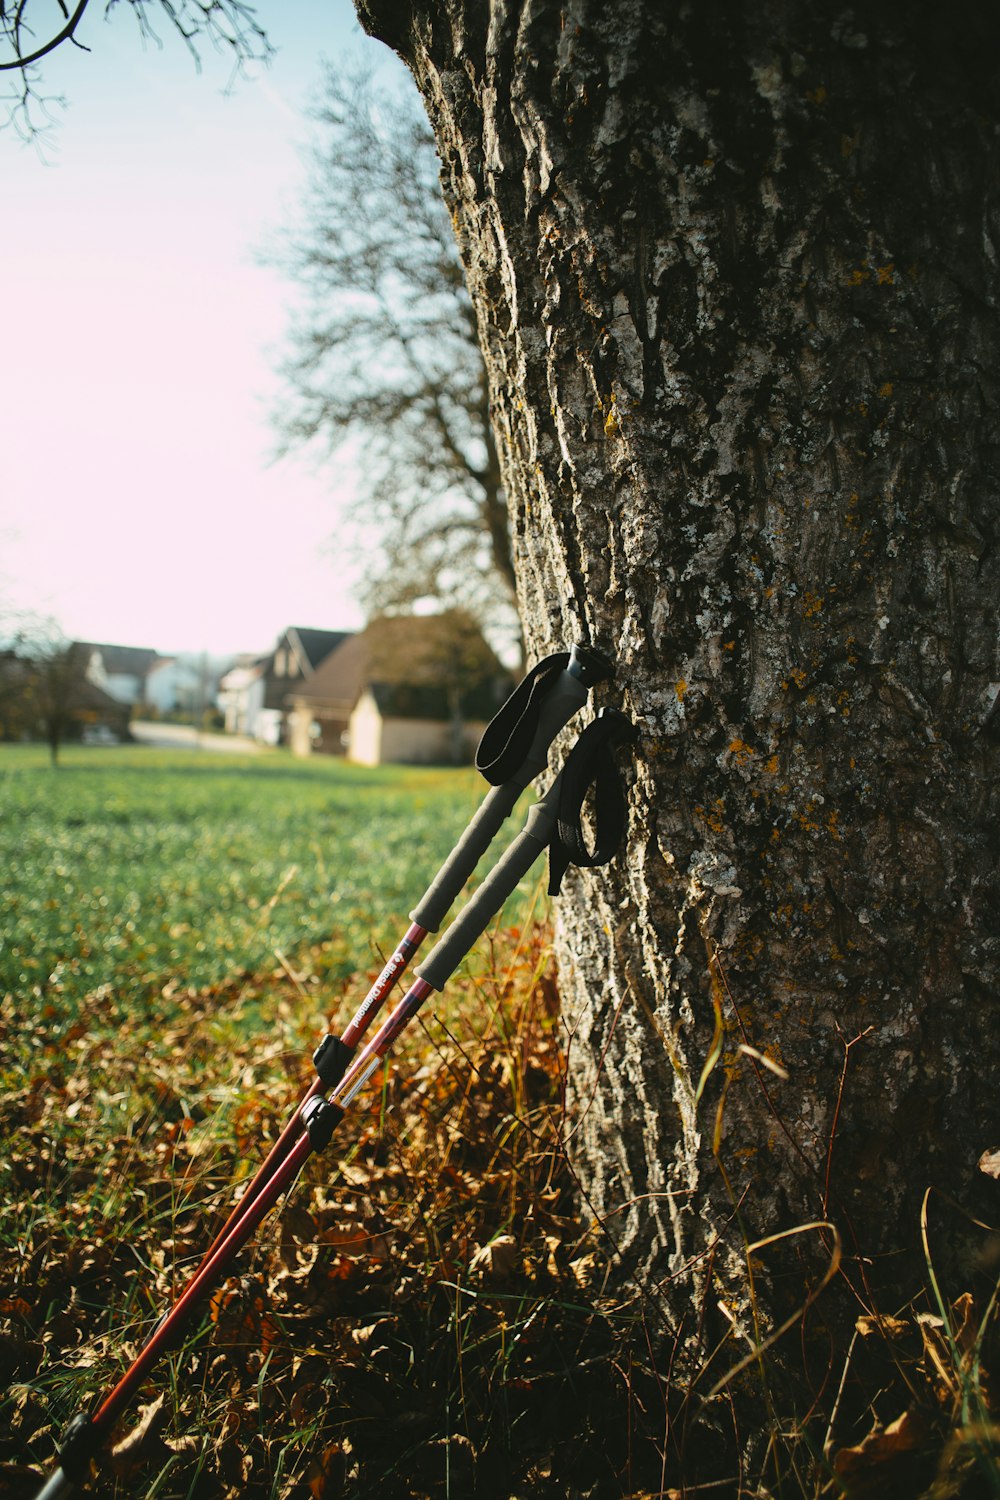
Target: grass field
145 869
178 931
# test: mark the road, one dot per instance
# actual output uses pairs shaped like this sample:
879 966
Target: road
184 737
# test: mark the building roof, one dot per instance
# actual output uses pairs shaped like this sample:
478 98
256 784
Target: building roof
306 650
338 681
246 670
314 645
133 661
400 658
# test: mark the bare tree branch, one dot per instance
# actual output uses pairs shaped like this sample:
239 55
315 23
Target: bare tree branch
226 25
66 34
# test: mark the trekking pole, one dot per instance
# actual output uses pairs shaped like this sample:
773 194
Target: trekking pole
554 822
514 750
314 1121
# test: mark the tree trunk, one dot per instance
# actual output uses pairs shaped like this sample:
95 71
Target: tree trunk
736 274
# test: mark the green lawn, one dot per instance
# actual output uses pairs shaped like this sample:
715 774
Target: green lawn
146 870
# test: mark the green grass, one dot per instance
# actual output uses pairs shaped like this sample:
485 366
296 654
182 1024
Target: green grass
144 870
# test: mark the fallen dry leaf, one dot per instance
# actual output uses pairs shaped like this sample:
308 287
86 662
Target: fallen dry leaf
144 1435
884 1327
585 1270
496 1261
326 1476
866 1469
937 1358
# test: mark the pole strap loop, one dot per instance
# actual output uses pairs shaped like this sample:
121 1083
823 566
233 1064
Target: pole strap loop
509 734
591 768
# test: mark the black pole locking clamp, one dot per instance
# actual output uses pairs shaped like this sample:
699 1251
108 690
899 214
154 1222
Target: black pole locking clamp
321 1118
331 1059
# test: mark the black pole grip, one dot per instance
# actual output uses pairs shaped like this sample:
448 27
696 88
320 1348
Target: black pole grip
568 693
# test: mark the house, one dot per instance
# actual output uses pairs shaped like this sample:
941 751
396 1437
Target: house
394 723
319 711
253 694
95 715
241 693
407 689
119 671
177 684
38 692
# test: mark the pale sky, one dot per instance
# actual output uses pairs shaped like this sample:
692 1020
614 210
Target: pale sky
139 339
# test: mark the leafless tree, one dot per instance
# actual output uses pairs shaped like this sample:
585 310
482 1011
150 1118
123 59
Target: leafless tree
385 350
58 670
42 682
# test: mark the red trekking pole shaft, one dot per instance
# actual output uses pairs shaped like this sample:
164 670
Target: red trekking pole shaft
367 1010
212 1270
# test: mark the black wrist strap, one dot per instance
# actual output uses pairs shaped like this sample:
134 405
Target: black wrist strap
590 768
509 735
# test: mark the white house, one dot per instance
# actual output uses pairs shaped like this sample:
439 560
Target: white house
175 684
119 671
241 694
389 727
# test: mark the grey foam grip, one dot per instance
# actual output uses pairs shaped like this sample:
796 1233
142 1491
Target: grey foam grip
474 918
444 889
567 696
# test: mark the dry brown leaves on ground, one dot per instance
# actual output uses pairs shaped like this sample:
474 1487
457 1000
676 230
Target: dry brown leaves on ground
423 1318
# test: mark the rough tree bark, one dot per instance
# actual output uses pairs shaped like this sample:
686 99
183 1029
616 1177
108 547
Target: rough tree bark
736 275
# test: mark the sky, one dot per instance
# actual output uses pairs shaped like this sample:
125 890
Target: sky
140 503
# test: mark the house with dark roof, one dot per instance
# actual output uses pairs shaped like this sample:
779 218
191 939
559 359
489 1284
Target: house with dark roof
119 671
36 691
253 693
410 689
94 712
320 708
